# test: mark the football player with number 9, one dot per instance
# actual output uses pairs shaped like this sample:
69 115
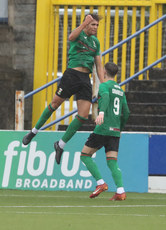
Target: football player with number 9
113 115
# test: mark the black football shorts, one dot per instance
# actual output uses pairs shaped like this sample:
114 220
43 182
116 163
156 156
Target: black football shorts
75 83
96 141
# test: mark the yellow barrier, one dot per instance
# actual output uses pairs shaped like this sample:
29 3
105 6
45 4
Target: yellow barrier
56 18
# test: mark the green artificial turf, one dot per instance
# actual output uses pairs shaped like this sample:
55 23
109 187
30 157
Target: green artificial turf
61 210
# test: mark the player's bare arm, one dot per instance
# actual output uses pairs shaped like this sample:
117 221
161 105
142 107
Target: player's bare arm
75 33
99 68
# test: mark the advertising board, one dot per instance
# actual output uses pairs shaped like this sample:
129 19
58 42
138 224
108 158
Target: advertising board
33 167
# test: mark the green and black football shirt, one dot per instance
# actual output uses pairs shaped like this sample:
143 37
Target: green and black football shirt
83 50
112 101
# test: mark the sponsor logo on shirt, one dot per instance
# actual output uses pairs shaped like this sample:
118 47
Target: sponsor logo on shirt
114 129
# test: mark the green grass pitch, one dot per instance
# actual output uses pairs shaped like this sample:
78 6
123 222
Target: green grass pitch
61 210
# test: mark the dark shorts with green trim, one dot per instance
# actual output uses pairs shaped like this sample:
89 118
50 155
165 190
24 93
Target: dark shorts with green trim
96 141
75 83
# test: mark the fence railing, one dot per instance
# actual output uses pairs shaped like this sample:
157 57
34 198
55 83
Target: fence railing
94 100
42 87
104 53
135 34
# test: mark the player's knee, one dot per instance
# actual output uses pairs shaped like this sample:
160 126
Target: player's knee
51 108
55 104
81 119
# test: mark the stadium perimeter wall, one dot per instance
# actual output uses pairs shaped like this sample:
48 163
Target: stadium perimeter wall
33 167
55 19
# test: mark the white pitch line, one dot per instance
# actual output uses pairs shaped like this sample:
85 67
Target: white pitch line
39 196
83 206
83 197
86 214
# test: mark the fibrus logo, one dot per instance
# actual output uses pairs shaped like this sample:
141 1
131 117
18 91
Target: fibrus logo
34 169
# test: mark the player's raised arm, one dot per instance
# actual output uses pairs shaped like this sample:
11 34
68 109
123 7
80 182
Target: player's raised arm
75 33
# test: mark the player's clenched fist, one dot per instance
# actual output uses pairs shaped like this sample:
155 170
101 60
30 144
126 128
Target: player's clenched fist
88 19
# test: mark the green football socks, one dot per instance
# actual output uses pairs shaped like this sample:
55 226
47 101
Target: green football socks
91 166
112 164
45 116
73 128
116 172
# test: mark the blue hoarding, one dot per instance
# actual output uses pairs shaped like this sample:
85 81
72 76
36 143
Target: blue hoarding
157 155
